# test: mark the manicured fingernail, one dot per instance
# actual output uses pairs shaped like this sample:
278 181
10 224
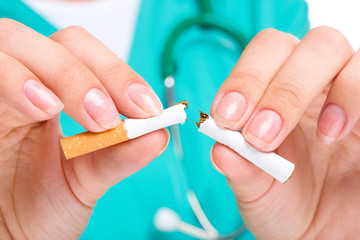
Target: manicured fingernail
331 123
101 109
42 97
167 143
230 109
263 128
213 163
145 98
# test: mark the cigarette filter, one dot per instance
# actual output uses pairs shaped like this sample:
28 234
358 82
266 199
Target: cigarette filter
273 164
87 142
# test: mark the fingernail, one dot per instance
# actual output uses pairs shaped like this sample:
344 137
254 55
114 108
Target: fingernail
230 109
331 123
42 97
145 98
167 143
213 163
101 109
263 128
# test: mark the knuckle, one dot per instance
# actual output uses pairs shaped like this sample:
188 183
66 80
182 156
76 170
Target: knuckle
115 69
120 70
69 33
288 94
268 33
273 37
6 22
328 37
8 27
349 81
254 77
73 72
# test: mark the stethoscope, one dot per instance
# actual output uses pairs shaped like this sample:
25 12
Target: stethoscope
165 219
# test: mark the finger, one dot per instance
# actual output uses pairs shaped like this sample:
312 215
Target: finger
257 66
84 97
262 200
132 95
340 112
90 177
313 65
251 181
21 89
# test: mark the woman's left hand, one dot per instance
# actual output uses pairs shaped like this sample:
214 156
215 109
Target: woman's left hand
300 99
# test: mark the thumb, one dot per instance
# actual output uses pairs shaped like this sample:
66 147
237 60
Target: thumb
270 209
246 180
91 175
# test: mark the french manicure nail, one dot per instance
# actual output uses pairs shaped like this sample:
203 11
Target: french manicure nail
145 98
42 97
331 123
263 128
230 109
101 109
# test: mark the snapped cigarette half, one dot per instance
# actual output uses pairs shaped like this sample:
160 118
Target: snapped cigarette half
276 166
87 142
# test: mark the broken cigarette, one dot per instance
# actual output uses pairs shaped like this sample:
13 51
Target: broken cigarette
276 166
87 142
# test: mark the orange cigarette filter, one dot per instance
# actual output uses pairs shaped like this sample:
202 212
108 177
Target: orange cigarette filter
86 142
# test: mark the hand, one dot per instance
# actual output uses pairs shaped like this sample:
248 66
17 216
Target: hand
301 99
42 195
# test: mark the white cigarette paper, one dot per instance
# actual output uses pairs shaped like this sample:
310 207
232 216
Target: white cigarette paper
171 116
275 165
87 142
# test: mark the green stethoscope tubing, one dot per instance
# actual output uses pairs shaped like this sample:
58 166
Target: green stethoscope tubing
206 19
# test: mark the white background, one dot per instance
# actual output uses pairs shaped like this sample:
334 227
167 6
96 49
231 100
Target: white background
344 15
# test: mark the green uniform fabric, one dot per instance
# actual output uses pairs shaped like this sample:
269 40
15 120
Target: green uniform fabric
204 57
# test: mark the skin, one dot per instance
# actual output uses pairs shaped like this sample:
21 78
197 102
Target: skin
298 79
44 196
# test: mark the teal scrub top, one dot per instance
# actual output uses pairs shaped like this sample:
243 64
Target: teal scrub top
204 58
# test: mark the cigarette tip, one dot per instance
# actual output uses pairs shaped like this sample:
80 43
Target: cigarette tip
203 118
184 102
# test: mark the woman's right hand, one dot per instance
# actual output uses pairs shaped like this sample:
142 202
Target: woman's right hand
42 195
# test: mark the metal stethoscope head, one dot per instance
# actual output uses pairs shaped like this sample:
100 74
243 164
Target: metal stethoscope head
167 220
